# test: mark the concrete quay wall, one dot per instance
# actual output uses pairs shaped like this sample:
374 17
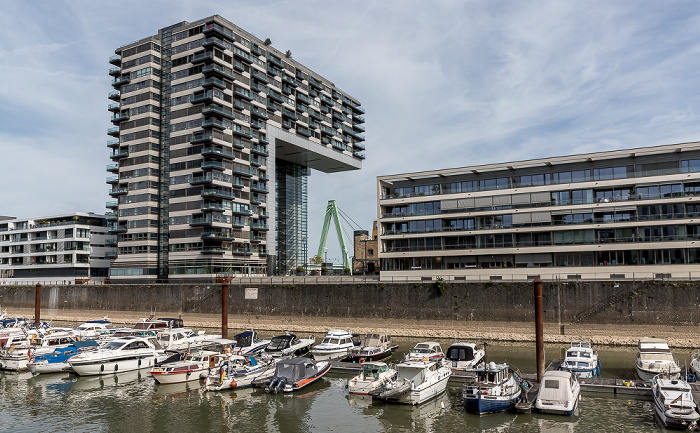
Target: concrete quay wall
639 303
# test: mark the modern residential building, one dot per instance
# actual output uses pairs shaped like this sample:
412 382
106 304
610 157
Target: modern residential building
366 254
215 133
68 248
616 215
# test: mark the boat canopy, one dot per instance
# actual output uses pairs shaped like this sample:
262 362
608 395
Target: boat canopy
460 353
245 339
281 342
556 386
295 369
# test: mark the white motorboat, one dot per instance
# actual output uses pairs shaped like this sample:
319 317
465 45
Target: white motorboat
289 345
581 360
416 382
427 351
372 378
92 329
673 402
122 354
248 342
22 346
654 357
57 361
294 374
559 393
494 388
465 356
194 366
236 371
336 344
183 339
373 347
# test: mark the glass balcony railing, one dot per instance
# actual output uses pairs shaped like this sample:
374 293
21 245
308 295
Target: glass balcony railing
213 165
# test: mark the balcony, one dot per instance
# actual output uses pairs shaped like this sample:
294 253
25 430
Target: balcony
257 124
263 139
244 93
327 130
358 127
214 69
202 97
256 161
315 83
116 229
256 50
213 123
120 81
201 138
213 165
202 180
273 70
262 150
238 129
338 116
112 205
264 214
358 154
243 55
243 171
259 76
122 153
259 188
115 71
113 143
218 152
289 80
111 216
217 193
257 87
201 221
286 112
113 168
208 42
114 95
238 223
112 179
259 112
316 115
275 95
212 250
303 98
355 134
118 191
241 211
274 60
358 109
215 110
237 183
110 242
212 207
303 131
257 238
214 82
263 176
257 199
114 107
358 119
259 226
239 66
287 90
120 117
115 60
358 145
215 29
218 235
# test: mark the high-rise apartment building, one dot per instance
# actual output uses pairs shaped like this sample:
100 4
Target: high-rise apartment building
623 214
215 134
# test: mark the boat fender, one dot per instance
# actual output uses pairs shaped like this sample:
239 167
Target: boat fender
102 367
139 362
116 367
233 384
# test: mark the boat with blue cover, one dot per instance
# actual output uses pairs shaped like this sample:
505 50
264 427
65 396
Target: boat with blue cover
57 361
494 388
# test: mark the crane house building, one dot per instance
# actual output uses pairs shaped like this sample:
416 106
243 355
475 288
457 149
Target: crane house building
620 214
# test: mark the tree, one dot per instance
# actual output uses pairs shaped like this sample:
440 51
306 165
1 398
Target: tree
316 260
288 54
267 41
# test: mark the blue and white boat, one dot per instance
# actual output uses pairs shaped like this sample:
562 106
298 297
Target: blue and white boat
581 360
248 343
494 388
57 361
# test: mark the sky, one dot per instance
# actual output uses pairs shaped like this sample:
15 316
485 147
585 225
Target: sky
444 84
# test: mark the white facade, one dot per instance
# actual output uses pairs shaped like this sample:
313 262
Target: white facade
55 249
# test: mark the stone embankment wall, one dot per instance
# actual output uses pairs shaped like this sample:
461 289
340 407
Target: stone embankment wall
667 303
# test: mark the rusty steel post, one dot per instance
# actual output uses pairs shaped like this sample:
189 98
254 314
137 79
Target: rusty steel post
539 328
224 309
37 304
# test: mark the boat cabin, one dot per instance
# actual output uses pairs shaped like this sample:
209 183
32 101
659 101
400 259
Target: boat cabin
152 325
492 374
57 339
557 386
247 339
371 370
172 322
295 369
376 340
338 337
429 349
461 352
414 371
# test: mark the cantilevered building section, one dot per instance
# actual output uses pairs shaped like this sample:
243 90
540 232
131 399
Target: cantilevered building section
214 136
624 214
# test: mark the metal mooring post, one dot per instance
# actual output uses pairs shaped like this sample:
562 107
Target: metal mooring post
224 309
37 304
539 328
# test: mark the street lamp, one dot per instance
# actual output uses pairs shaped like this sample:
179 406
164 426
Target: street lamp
325 255
305 255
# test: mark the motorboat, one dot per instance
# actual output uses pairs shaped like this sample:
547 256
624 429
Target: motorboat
289 345
296 373
20 347
581 360
372 378
416 382
193 366
558 394
57 361
237 371
429 350
695 362
373 347
494 388
654 357
336 344
248 342
673 402
183 339
464 356
48 342
119 355
92 329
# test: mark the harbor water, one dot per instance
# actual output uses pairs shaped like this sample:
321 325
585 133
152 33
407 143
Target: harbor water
133 402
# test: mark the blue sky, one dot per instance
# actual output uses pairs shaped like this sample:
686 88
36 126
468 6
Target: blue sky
444 83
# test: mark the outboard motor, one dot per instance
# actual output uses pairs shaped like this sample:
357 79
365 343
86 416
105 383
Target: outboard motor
271 385
280 384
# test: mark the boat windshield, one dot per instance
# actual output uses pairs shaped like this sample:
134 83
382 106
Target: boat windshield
460 353
113 345
372 371
278 343
667 357
675 389
577 354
